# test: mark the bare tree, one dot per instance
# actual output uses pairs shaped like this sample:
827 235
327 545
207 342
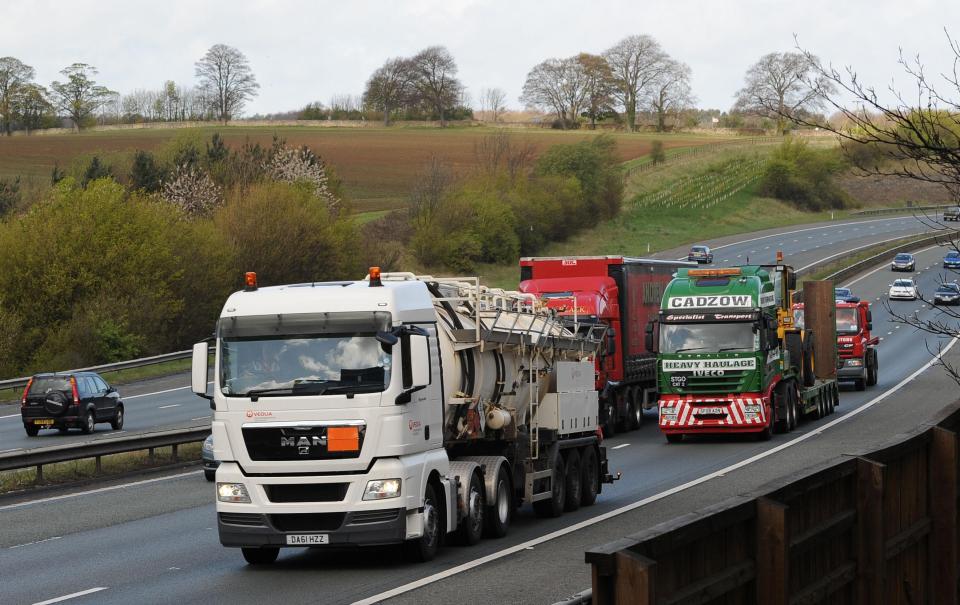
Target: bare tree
436 80
670 93
32 106
558 84
493 100
14 75
499 152
635 62
79 96
598 82
781 85
390 87
916 138
225 72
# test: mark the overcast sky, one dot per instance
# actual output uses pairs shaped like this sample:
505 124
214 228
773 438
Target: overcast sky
303 51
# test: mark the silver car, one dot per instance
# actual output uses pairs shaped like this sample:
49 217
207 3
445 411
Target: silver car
210 463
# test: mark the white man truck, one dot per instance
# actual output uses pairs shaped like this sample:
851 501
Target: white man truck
396 409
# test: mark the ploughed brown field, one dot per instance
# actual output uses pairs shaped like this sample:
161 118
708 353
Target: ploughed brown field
378 166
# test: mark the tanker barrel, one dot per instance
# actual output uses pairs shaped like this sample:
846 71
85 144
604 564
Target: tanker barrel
820 315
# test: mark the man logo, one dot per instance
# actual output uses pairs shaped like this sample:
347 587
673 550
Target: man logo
303 443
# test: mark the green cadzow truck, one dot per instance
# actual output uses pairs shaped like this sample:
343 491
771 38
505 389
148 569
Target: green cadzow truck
729 358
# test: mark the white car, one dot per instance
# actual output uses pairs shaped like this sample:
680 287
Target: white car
903 289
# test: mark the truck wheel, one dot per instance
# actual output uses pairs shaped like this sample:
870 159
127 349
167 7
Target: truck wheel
809 378
673 438
589 476
609 425
635 409
471 526
425 547
260 556
499 513
781 401
553 506
872 369
573 481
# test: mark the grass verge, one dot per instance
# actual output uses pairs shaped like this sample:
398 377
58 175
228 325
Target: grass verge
114 465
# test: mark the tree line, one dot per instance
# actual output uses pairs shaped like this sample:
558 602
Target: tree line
225 83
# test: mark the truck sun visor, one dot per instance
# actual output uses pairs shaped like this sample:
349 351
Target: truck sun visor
347 322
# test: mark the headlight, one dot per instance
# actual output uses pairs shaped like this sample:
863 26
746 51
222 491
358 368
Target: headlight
208 445
381 489
232 492
855 362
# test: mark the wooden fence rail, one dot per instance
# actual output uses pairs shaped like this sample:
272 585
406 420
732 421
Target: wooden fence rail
881 527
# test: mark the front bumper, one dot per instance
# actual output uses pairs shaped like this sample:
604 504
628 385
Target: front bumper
902 296
684 415
848 372
387 526
902 267
943 301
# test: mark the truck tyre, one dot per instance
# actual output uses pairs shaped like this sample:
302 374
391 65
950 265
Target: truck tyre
499 513
553 506
781 401
574 481
793 403
872 369
589 476
795 352
425 547
260 556
471 526
609 424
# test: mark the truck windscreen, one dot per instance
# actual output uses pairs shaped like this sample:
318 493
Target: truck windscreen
306 354
847 321
707 337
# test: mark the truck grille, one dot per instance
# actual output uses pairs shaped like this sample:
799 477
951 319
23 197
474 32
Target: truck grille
293 443
307 492
245 519
733 381
374 516
307 521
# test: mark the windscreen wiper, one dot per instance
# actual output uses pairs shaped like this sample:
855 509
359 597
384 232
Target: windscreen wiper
255 394
724 349
689 349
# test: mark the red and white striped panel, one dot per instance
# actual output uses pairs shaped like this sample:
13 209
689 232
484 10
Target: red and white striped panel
734 407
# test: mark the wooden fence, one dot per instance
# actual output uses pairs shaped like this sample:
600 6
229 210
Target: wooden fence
879 528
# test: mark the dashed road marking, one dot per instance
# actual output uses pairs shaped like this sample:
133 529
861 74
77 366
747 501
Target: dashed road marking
172 405
37 542
622 445
72 595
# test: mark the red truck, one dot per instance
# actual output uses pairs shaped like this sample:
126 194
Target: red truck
618 295
856 346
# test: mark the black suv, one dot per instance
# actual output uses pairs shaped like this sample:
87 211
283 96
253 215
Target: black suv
62 401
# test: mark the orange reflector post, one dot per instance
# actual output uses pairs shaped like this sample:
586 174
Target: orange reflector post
343 439
713 272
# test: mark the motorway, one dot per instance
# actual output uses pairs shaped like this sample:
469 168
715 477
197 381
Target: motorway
168 403
156 541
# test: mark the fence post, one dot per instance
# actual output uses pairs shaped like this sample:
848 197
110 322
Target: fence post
773 553
871 558
635 582
943 511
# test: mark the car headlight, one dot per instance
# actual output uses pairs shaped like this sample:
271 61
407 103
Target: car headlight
381 489
233 492
208 445
855 362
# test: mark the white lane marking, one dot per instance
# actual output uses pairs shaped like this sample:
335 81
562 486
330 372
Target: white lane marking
10 450
37 542
623 509
826 258
172 405
96 491
200 418
72 595
10 416
158 392
622 445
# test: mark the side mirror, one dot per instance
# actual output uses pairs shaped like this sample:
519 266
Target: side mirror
198 378
649 341
387 338
415 364
611 341
870 325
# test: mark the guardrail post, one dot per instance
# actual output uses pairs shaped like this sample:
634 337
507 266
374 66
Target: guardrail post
97 466
871 558
943 512
174 452
150 455
39 473
773 552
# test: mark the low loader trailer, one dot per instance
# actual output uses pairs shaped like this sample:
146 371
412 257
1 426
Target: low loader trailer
731 360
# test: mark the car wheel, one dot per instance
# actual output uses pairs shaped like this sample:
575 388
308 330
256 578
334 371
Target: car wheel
89 422
32 430
209 475
260 556
117 422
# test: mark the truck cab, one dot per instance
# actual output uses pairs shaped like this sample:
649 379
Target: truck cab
856 345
